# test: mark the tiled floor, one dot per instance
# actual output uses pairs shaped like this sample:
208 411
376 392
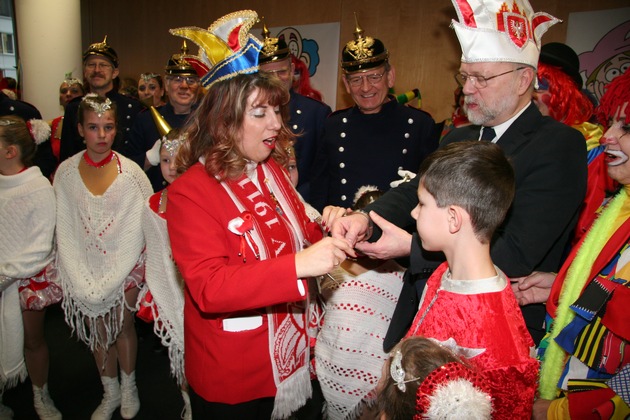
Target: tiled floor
75 385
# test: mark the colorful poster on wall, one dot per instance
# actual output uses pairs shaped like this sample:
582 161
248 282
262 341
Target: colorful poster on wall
318 48
602 41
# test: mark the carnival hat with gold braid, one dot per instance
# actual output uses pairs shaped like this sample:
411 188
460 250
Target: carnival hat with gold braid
182 64
101 48
273 49
362 53
226 47
500 31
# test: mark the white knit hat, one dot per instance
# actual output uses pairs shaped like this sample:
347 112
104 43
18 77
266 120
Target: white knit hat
500 31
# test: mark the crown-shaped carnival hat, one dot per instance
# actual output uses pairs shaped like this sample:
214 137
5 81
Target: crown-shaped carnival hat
273 49
363 52
226 47
102 48
182 64
500 30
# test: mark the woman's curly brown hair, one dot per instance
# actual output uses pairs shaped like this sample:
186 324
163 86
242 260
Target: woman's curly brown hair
213 130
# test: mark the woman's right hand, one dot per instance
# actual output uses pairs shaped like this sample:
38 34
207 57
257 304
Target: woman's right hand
321 257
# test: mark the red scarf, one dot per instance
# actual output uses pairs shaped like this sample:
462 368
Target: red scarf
280 227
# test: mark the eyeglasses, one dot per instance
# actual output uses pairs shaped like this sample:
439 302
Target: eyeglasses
178 80
480 81
93 66
372 79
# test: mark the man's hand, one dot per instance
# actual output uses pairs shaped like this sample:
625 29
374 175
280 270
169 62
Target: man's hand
534 288
394 242
352 228
540 409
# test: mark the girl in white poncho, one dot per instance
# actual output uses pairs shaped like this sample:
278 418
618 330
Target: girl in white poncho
100 196
360 297
162 302
27 223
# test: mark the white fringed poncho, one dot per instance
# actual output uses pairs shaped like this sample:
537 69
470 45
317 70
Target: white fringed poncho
27 223
99 241
163 280
349 352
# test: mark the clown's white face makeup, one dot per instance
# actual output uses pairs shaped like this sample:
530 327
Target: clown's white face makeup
617 142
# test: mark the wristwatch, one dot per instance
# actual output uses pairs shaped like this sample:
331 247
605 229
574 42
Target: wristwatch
370 229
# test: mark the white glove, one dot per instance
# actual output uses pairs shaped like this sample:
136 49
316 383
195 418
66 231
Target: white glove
153 154
406 177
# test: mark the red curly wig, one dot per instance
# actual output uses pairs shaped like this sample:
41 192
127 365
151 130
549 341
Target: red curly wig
567 104
302 84
617 93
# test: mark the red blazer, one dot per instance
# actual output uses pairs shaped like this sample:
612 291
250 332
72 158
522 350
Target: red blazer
223 366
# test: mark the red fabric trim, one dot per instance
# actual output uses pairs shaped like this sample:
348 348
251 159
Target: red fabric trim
467 13
612 247
581 404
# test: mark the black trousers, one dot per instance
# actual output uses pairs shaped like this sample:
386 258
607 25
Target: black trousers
259 409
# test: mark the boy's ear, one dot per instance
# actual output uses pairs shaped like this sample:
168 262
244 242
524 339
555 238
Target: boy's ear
11 151
455 218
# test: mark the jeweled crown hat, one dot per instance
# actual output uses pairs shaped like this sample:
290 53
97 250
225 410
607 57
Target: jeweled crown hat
178 64
500 31
226 47
363 52
103 49
273 49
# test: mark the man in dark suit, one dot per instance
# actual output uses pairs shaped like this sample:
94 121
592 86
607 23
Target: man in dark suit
548 158
182 89
307 115
100 68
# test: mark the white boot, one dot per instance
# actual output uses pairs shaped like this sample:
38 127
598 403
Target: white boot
111 399
130 401
44 405
187 411
5 412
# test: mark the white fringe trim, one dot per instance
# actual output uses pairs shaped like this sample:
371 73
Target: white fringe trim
162 328
12 381
85 322
292 394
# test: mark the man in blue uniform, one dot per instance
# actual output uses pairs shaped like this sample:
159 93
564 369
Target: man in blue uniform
307 114
370 142
100 68
182 89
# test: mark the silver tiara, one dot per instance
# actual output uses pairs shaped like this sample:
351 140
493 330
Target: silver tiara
99 108
398 373
173 145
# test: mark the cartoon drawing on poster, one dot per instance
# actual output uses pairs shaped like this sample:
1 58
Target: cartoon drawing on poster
602 41
317 46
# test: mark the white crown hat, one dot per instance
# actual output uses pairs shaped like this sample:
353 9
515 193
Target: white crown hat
500 31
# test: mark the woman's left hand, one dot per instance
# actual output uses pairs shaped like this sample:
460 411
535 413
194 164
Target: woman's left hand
330 214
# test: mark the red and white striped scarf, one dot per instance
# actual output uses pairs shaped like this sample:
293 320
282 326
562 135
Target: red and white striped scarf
280 227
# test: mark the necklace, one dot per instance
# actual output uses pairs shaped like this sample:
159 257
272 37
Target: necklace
426 311
100 163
